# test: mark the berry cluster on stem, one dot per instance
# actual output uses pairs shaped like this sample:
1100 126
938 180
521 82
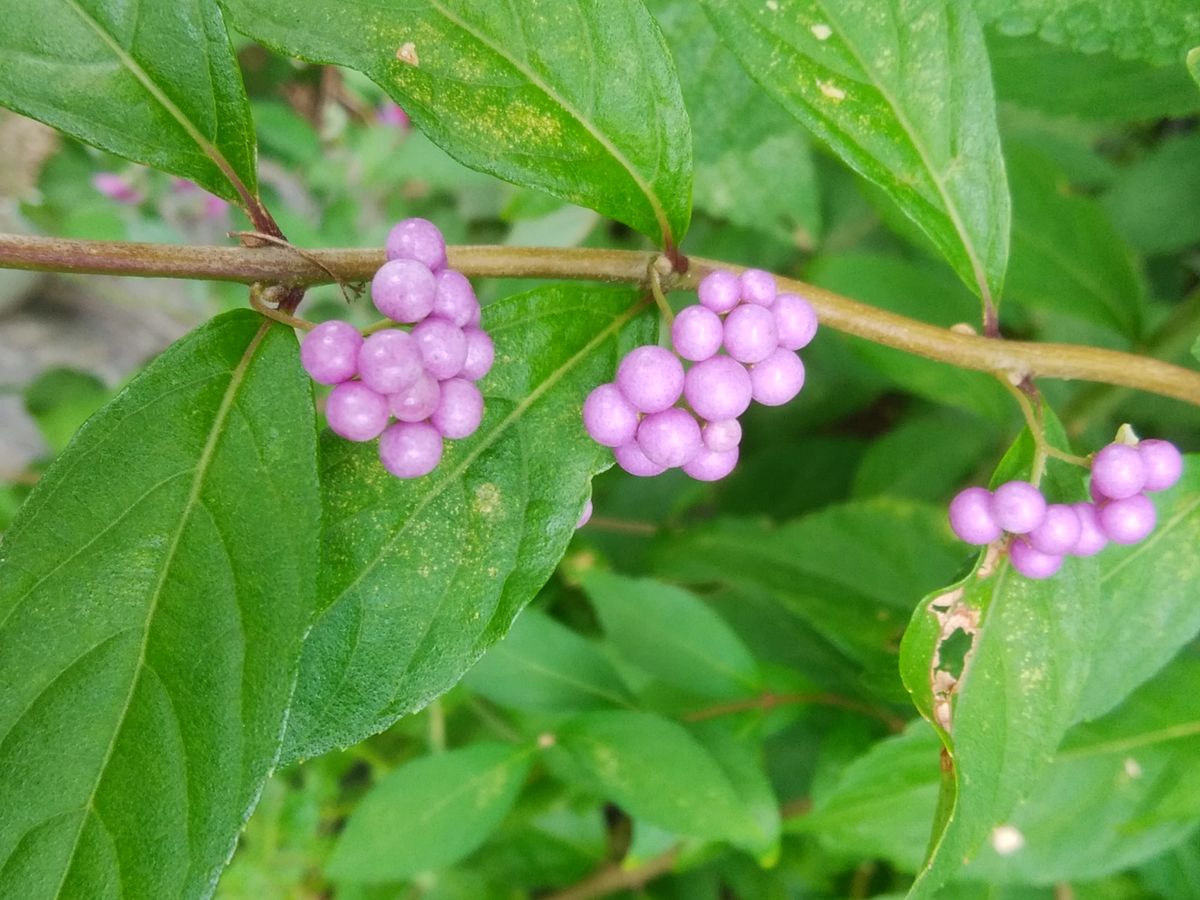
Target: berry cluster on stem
423 377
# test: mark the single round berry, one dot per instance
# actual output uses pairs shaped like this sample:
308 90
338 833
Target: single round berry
711 465
1163 462
418 401
722 436
460 409
1128 520
586 515
718 388
778 378
971 516
795 320
651 378
631 458
750 334
410 449
609 418
1118 471
1059 531
389 361
356 412
443 347
696 333
481 353
404 290
719 291
329 353
454 299
417 239
669 438
757 287
1018 507
1092 538
1031 562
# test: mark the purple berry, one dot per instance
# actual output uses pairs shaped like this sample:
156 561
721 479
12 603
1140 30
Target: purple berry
757 287
417 239
460 409
696 333
722 436
356 412
609 418
1128 520
403 290
971 516
719 291
718 388
454 299
1018 507
1118 471
417 402
481 353
750 334
711 465
1163 462
389 361
1092 538
586 515
669 438
1059 531
329 353
778 378
410 449
795 320
443 347
651 378
631 458
1031 562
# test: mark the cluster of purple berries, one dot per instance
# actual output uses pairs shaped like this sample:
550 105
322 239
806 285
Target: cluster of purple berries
424 377
1044 533
758 330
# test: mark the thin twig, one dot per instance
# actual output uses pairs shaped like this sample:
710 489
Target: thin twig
612 878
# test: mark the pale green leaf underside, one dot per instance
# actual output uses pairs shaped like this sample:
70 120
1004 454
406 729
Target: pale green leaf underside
420 577
156 83
1158 31
578 98
153 596
902 91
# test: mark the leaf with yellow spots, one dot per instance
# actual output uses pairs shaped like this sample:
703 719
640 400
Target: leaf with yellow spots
578 98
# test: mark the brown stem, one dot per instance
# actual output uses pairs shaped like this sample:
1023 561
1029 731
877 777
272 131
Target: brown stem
273 265
613 878
769 701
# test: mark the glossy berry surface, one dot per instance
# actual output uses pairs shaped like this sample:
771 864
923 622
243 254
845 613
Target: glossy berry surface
356 412
389 361
669 438
460 409
757 287
696 333
1163 464
722 436
711 465
1031 562
609 418
1018 507
404 290
719 291
795 321
418 401
631 458
410 449
329 352
1058 532
651 378
1128 520
750 333
971 516
443 347
777 379
481 353
417 239
1092 538
1118 472
718 388
454 299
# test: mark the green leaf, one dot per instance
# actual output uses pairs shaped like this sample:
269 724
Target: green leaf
429 813
1193 64
1066 256
741 759
576 99
60 400
153 82
655 770
671 634
544 666
154 592
420 577
1158 32
1094 86
754 166
901 90
1155 202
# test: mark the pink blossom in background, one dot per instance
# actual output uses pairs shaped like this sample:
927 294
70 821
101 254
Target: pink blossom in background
390 113
117 187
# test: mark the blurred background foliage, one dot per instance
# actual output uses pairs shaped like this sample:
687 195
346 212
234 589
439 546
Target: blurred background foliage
703 702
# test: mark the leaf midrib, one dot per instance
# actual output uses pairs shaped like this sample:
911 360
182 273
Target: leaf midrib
237 377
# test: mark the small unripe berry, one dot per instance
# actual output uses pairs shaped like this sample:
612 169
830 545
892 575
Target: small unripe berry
356 412
410 449
329 353
417 239
651 378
